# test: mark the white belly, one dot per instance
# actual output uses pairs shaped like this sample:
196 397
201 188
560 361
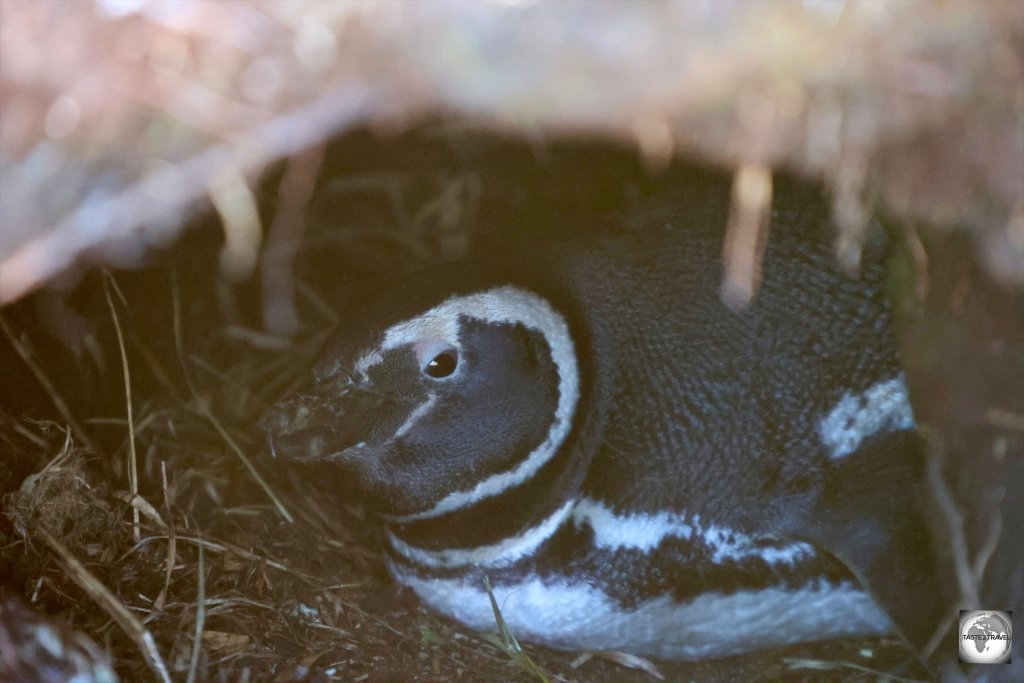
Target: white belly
576 616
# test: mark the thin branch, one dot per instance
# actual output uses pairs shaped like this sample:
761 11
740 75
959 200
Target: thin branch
746 234
955 523
133 471
200 619
103 596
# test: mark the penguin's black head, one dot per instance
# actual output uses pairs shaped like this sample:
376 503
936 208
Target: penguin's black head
429 403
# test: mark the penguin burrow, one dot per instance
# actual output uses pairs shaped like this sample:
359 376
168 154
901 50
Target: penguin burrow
575 419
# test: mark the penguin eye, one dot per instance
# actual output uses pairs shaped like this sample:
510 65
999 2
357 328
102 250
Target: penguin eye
442 365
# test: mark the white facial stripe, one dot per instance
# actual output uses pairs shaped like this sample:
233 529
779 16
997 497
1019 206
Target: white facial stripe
417 412
367 362
499 554
509 305
883 407
645 532
573 615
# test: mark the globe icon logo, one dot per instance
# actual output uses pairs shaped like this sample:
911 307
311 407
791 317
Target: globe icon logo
985 636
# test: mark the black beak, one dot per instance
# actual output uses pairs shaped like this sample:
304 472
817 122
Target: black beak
322 425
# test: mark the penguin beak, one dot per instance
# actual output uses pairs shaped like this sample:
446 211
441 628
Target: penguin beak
324 425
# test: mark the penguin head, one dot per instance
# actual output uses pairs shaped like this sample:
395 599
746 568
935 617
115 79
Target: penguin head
431 400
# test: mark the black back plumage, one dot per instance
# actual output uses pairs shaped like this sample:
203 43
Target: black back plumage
704 406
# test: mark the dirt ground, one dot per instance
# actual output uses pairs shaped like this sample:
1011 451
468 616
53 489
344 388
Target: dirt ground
176 510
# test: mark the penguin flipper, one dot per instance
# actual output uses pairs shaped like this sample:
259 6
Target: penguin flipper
870 516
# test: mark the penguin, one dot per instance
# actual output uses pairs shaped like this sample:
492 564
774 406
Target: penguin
575 424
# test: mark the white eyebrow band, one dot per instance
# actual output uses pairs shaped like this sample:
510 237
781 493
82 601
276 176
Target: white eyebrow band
508 305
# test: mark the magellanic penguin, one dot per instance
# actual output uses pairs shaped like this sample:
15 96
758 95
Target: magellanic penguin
631 464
